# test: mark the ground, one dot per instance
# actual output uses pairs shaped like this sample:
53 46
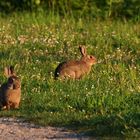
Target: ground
19 129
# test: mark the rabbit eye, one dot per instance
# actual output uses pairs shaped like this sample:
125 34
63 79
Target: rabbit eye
10 80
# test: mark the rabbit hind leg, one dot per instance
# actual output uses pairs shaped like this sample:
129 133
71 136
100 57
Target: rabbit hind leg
69 74
15 105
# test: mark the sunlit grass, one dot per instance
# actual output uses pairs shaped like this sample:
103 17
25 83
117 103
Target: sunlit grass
104 103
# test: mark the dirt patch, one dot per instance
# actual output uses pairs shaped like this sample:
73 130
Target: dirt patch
19 129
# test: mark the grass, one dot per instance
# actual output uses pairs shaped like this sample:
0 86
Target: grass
105 103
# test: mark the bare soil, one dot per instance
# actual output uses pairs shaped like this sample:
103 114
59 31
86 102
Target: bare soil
19 129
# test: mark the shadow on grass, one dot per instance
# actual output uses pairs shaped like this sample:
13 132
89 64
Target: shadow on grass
111 126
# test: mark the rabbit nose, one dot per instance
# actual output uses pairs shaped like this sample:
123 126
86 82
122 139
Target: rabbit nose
94 58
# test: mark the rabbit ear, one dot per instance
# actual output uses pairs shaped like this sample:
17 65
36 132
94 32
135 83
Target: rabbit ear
83 51
8 71
12 70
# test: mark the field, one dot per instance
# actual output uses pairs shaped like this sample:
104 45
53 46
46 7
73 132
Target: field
104 103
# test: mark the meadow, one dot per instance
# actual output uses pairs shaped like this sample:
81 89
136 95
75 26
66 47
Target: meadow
105 103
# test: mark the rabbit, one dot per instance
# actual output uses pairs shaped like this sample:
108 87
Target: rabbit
75 69
10 91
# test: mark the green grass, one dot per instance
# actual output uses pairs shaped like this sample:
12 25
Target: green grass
104 103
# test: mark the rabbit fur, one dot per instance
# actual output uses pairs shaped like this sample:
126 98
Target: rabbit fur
10 91
75 69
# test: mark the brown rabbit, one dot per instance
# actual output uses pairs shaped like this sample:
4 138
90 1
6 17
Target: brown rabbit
10 91
75 69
